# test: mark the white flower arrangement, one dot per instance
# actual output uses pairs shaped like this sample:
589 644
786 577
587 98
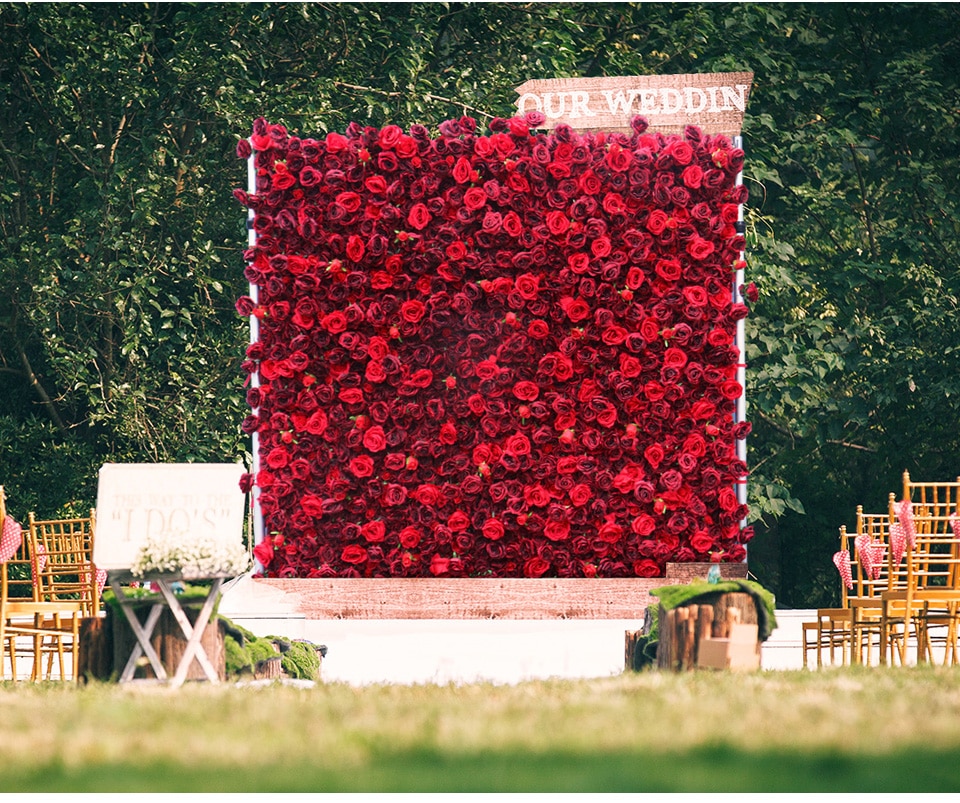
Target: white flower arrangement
193 557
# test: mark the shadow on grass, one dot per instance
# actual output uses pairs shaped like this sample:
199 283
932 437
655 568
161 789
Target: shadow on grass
707 769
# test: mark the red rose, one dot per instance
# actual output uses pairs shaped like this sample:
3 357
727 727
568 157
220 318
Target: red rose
355 248
557 530
618 159
361 466
389 136
576 309
512 224
579 494
649 330
456 251
409 537
373 531
646 568
590 184
428 495
462 170
263 552
643 524
535 567
527 286
613 335
374 439
670 270
656 221
439 566
731 389
526 391
517 444
374 372
701 541
536 496
317 423
607 417
692 177
354 553
674 358
277 457
394 494
412 311
419 217
557 222
493 529
487 369
334 322
727 498
538 330
448 433
681 151
700 248
474 199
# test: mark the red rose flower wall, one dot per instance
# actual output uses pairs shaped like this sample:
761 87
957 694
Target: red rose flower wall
507 353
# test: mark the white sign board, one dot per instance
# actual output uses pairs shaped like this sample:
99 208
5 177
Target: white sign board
136 501
713 101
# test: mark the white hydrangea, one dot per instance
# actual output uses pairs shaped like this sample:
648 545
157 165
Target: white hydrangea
192 556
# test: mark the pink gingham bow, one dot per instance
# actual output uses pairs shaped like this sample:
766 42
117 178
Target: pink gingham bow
871 554
841 560
10 538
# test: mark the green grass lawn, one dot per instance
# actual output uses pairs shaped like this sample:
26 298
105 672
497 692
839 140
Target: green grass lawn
836 730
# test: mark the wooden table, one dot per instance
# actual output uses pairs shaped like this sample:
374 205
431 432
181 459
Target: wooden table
168 599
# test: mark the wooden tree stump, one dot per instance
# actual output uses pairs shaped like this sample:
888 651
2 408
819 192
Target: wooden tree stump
95 656
269 669
169 642
681 629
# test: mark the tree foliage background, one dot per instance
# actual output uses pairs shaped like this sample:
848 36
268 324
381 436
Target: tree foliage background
122 246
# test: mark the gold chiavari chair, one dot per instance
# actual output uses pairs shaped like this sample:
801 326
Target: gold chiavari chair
832 631
878 551
23 615
930 601
66 577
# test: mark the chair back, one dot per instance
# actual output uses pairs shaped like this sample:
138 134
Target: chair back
62 550
877 570
927 510
935 502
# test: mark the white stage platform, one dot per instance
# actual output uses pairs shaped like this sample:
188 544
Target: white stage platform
363 652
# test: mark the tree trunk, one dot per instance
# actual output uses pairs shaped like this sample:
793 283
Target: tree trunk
95 657
169 642
681 629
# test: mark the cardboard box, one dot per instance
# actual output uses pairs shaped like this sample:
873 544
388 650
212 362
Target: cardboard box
740 652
